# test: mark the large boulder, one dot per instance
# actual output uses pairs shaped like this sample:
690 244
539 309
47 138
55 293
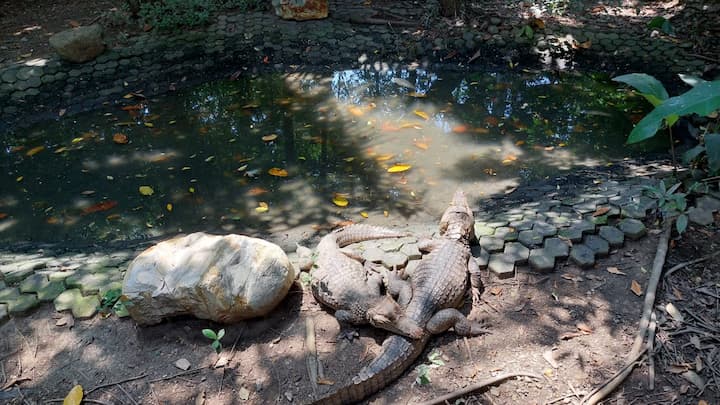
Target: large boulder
221 278
79 44
301 9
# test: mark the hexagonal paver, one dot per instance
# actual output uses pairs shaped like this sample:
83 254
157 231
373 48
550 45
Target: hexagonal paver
373 254
391 245
3 312
612 235
481 229
411 251
582 255
530 238
50 291
81 306
517 251
33 283
598 245
22 303
632 228
633 210
597 219
544 229
88 282
482 257
541 260
410 268
15 272
502 265
394 260
557 247
521 225
572 233
700 216
506 233
492 244
497 223
9 293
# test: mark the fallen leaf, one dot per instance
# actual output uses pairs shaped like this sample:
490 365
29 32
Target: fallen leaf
694 378
149 124
496 290
398 168
636 288
615 270
520 143
75 396
146 190
674 312
362 214
356 111
35 150
278 172
325 381
421 145
422 114
169 207
508 159
262 207
460 129
601 211
269 138
550 358
582 327
572 277
120 138
133 107
384 157
481 130
386 214
255 191
340 201
678 294
571 335
676 368
101 206
4 215
492 121
243 393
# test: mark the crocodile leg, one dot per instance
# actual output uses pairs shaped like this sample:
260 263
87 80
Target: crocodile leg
452 318
475 281
398 288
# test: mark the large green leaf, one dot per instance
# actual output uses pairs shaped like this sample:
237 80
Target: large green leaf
648 86
702 99
712 145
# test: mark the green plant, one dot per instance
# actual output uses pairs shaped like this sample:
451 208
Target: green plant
525 31
423 370
215 337
663 24
112 303
703 99
174 14
670 203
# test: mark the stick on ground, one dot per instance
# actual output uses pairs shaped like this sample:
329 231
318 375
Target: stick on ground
477 386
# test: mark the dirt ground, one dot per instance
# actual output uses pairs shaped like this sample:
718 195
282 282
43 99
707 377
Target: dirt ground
572 327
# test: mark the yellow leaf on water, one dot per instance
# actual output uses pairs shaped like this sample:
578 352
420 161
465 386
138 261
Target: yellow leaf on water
356 111
75 396
349 159
278 172
146 190
384 157
520 143
169 207
422 114
19 179
191 190
421 145
78 139
386 214
398 168
269 138
262 207
35 150
149 124
340 201
364 214
636 288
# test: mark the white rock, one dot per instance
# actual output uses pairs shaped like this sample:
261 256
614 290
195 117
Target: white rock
182 364
222 278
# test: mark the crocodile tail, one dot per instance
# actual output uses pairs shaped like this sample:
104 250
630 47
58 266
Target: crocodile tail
396 355
361 232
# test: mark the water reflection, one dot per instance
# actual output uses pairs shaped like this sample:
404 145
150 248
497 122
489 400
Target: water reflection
272 154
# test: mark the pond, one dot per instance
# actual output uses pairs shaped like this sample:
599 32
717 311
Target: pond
269 154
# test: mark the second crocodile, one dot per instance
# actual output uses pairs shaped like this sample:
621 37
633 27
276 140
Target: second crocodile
439 284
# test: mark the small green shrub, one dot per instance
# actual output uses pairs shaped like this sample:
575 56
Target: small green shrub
174 14
215 337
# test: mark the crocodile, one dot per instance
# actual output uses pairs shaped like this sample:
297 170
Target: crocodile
439 284
358 293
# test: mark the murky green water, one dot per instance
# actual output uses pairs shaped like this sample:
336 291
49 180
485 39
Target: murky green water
272 154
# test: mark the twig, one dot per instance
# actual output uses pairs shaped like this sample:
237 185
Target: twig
707 58
85 400
691 262
311 353
137 377
637 348
170 377
650 347
477 386
127 394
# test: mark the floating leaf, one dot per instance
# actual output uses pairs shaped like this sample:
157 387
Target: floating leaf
386 214
398 168
636 288
146 190
269 138
4 215
262 207
492 121
509 159
362 214
278 172
35 150
356 111
460 129
520 143
75 396
422 114
149 124
384 157
19 179
615 270
101 206
255 191
169 207
133 107
340 201
481 130
120 138
421 145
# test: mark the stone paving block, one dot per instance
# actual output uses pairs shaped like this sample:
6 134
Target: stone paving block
709 203
502 265
560 221
541 260
535 218
410 268
506 233
115 284
517 251
481 229
9 293
571 201
60 275
633 210
521 225
572 233
22 303
3 312
598 245
482 257
544 229
411 251
497 223
598 220
392 260
584 225
15 272
612 235
81 307
34 283
373 254
391 245
632 228
51 290
582 255
89 282
530 238
557 247
492 244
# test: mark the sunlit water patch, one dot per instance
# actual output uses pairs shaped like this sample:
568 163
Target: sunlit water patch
272 154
